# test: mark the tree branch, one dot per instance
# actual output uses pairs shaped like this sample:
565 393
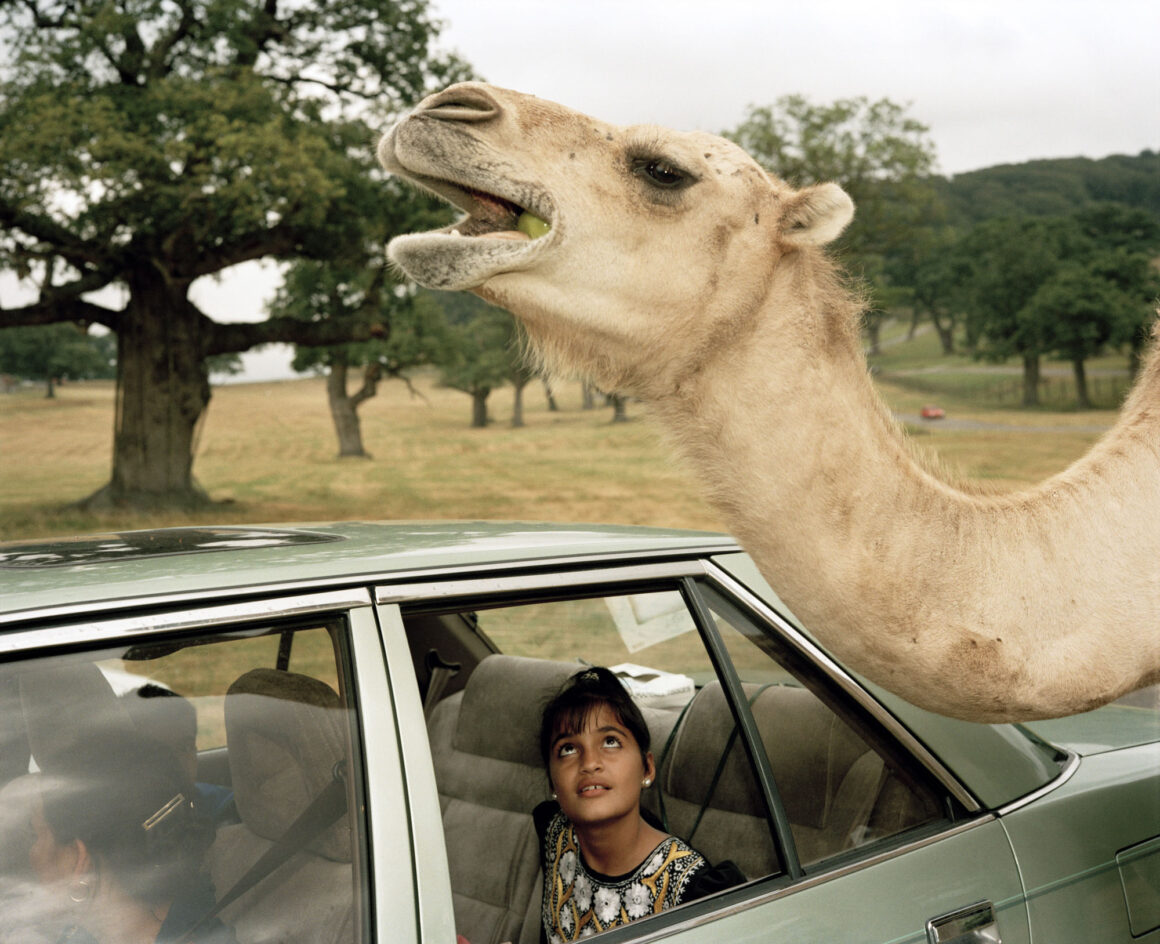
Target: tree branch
271 242
236 337
56 310
63 242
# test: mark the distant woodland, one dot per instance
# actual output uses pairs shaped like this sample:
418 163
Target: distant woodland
1055 187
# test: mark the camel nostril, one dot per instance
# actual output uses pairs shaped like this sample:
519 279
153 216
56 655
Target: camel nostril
460 103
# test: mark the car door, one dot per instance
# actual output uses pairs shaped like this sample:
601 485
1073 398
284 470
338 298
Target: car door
845 829
281 805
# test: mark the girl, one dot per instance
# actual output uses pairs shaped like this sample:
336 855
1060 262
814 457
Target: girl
605 861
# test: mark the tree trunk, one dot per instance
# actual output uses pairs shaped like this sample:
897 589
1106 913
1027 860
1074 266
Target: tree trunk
1082 400
587 396
873 335
946 333
1031 380
479 407
619 409
344 408
518 404
553 406
49 389
161 395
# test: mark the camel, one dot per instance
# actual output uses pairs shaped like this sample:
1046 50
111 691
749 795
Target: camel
672 267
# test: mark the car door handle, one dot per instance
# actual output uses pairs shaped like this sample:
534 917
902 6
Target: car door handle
974 924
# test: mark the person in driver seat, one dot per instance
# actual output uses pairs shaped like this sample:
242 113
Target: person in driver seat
119 846
606 861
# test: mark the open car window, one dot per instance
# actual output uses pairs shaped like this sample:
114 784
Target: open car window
487 671
206 784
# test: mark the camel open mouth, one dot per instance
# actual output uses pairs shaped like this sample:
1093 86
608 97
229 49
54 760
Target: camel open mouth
509 221
489 215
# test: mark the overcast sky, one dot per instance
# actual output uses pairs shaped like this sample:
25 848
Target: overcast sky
996 81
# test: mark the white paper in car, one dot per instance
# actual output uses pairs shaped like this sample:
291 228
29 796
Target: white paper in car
644 619
654 688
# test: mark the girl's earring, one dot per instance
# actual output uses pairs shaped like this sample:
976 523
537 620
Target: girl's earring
646 782
79 891
554 797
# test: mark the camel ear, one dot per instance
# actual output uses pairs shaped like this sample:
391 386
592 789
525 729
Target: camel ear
816 215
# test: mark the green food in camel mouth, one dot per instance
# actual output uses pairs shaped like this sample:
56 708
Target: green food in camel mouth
532 226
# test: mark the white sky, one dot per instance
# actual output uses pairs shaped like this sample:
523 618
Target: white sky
996 81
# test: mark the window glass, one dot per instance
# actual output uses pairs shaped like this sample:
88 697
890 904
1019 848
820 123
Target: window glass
484 725
145 781
840 788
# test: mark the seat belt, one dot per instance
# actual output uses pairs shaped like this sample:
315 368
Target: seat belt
439 673
324 810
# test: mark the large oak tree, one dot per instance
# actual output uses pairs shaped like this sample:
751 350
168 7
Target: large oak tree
147 143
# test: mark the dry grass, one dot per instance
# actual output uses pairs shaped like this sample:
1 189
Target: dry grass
267 453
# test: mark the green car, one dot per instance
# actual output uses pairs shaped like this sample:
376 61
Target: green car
355 708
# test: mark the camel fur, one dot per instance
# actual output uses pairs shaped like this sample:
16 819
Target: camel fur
675 269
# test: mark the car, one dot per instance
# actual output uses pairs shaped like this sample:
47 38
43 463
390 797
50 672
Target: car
367 700
931 412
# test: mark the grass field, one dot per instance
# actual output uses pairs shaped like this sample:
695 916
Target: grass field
267 453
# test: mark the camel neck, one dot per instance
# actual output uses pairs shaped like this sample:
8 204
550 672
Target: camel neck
819 484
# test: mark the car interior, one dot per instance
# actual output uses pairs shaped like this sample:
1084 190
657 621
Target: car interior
281 734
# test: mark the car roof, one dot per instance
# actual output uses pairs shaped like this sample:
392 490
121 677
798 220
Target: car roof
101 570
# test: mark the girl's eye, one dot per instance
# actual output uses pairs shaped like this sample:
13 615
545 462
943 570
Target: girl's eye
565 749
660 173
612 741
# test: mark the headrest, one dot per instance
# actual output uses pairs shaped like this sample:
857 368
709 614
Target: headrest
285 736
66 704
694 756
502 704
809 748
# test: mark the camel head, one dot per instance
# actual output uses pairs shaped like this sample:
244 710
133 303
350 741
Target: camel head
627 252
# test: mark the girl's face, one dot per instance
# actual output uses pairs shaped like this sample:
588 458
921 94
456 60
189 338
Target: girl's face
597 773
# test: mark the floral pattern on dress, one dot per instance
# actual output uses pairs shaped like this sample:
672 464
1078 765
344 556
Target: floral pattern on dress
578 903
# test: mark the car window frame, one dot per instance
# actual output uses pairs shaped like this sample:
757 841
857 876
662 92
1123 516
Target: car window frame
467 592
385 899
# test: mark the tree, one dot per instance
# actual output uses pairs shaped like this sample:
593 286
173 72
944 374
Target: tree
482 350
1006 262
146 144
935 269
1084 313
881 157
52 352
314 291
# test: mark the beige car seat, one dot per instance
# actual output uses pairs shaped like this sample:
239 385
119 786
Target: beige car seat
828 778
286 736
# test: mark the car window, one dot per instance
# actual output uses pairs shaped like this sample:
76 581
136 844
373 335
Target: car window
842 788
154 779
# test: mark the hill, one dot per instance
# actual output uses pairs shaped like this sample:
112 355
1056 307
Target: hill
1052 187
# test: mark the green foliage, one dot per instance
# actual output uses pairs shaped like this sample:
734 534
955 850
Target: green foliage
145 144
481 341
1053 187
57 351
1005 261
879 155
403 335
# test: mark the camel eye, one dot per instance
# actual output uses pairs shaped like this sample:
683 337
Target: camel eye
661 173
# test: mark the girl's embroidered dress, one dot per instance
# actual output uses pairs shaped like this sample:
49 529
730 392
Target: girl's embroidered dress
579 902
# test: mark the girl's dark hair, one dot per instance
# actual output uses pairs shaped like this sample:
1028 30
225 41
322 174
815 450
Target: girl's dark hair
127 799
583 693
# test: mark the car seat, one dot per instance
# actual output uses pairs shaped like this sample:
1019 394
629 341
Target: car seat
486 750
286 738
828 778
